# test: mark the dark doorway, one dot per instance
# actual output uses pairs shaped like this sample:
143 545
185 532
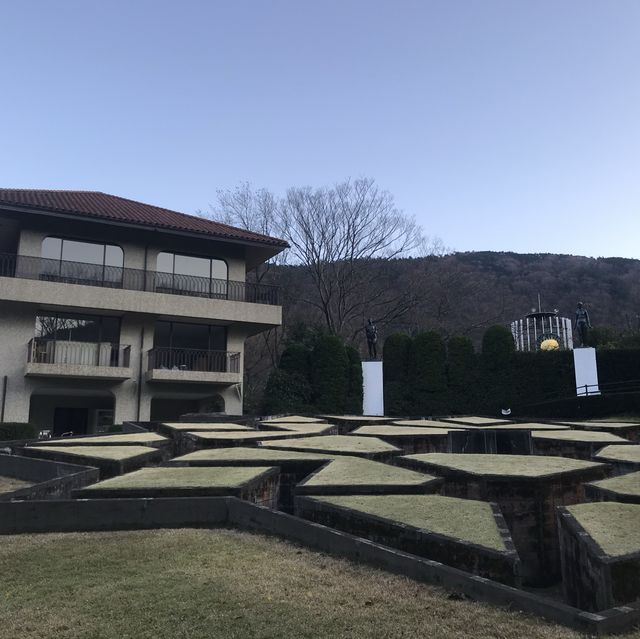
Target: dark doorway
70 420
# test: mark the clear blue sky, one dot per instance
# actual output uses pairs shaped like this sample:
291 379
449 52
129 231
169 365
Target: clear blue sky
499 124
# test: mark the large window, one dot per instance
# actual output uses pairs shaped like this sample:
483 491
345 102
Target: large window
78 328
192 275
78 262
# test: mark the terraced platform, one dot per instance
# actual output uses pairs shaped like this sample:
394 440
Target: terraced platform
368 447
623 488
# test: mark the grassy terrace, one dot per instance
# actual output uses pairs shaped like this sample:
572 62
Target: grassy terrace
628 484
613 526
251 435
623 453
309 429
295 419
184 426
579 436
268 455
107 440
357 418
529 426
339 444
470 521
477 421
402 431
9 484
223 584
505 465
113 453
427 423
604 424
168 477
351 471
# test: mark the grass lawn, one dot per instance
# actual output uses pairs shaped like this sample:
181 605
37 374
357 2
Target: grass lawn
403 431
355 471
250 435
268 455
197 584
113 453
613 526
506 465
167 477
295 419
465 519
339 444
107 440
224 426
428 423
9 484
628 484
623 453
586 436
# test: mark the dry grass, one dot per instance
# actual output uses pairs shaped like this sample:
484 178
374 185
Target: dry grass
403 431
114 453
587 436
249 436
239 453
613 526
228 426
466 519
505 465
9 484
105 440
199 584
167 477
619 452
628 484
296 419
344 444
353 471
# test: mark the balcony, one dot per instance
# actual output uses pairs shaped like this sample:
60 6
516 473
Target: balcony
112 277
78 360
188 365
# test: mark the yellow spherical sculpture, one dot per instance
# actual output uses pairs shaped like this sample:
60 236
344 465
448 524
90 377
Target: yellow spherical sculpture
549 344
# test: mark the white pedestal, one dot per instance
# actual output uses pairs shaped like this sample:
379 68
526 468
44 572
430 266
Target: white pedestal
586 368
372 386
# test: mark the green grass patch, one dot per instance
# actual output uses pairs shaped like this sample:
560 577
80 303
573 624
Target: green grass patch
184 426
345 471
426 423
309 429
113 453
399 431
465 519
268 455
505 465
613 526
224 584
9 484
628 484
252 435
340 444
168 477
125 438
623 453
295 419
587 436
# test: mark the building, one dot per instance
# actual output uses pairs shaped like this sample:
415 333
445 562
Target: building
114 310
542 330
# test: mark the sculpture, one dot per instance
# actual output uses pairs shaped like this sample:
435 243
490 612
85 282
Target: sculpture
583 323
372 339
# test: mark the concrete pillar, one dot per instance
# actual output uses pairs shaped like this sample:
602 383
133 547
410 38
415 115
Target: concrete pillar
586 369
373 392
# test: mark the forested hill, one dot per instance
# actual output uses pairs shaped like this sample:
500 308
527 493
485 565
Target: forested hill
463 293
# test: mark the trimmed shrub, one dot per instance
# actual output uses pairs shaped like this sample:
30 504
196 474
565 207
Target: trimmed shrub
353 405
428 375
395 362
496 364
329 374
286 393
295 359
18 430
462 375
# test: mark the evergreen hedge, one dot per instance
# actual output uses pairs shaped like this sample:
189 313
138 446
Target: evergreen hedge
329 375
428 375
395 360
353 404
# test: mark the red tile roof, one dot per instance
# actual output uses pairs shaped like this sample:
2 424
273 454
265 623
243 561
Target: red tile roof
94 204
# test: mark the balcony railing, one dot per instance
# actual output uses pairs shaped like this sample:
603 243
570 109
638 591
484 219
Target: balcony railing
51 351
37 268
190 359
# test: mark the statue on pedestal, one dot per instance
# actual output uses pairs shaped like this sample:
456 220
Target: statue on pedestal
583 323
372 339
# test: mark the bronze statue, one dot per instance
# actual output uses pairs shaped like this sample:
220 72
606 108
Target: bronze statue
583 323
372 339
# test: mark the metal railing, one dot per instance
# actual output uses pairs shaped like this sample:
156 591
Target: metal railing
50 351
39 268
191 359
